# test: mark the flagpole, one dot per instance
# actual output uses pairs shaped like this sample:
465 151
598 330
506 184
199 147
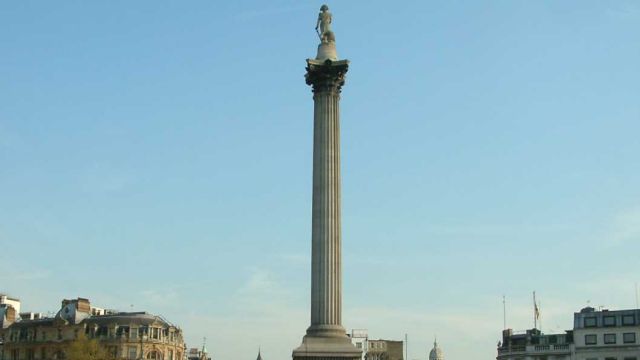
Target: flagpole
535 317
504 313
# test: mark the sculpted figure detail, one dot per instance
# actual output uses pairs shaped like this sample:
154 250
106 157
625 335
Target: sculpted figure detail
324 25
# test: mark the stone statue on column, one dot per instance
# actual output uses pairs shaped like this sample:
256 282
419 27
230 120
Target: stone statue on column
327 47
324 24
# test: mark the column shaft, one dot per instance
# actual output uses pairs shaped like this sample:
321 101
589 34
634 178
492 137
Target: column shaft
326 285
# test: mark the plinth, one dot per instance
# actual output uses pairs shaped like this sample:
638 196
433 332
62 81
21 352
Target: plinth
326 339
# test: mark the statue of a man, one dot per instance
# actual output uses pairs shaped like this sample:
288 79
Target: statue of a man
324 24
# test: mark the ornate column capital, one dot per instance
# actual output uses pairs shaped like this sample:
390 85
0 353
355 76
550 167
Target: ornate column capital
326 76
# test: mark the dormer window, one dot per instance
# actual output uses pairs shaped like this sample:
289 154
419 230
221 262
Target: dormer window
609 321
590 321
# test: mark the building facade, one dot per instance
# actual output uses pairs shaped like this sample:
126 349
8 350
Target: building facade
124 335
196 354
534 345
596 335
9 310
376 349
607 335
384 350
6 301
360 339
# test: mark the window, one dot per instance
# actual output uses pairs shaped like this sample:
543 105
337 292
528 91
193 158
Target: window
170 354
122 331
629 338
590 321
591 339
609 338
610 358
102 331
143 330
628 320
631 358
359 345
132 352
609 320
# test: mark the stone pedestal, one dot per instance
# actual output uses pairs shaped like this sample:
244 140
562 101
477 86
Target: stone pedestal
327 51
326 338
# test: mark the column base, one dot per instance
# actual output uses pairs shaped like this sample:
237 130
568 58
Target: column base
326 342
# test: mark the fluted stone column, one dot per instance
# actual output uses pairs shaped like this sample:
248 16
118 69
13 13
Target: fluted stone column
326 264
326 338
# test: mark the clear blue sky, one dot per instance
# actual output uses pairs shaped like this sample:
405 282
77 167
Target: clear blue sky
156 155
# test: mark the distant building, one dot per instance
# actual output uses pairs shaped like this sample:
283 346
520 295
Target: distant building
9 313
125 335
436 353
376 349
534 345
360 338
607 335
384 350
195 354
596 335
9 301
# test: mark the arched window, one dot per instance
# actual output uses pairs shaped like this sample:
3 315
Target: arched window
59 355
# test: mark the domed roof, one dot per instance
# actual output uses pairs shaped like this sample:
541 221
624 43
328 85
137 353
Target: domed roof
436 353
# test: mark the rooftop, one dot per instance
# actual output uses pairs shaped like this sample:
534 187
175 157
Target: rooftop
140 318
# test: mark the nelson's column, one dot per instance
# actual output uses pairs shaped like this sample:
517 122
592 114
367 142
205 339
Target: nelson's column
326 338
